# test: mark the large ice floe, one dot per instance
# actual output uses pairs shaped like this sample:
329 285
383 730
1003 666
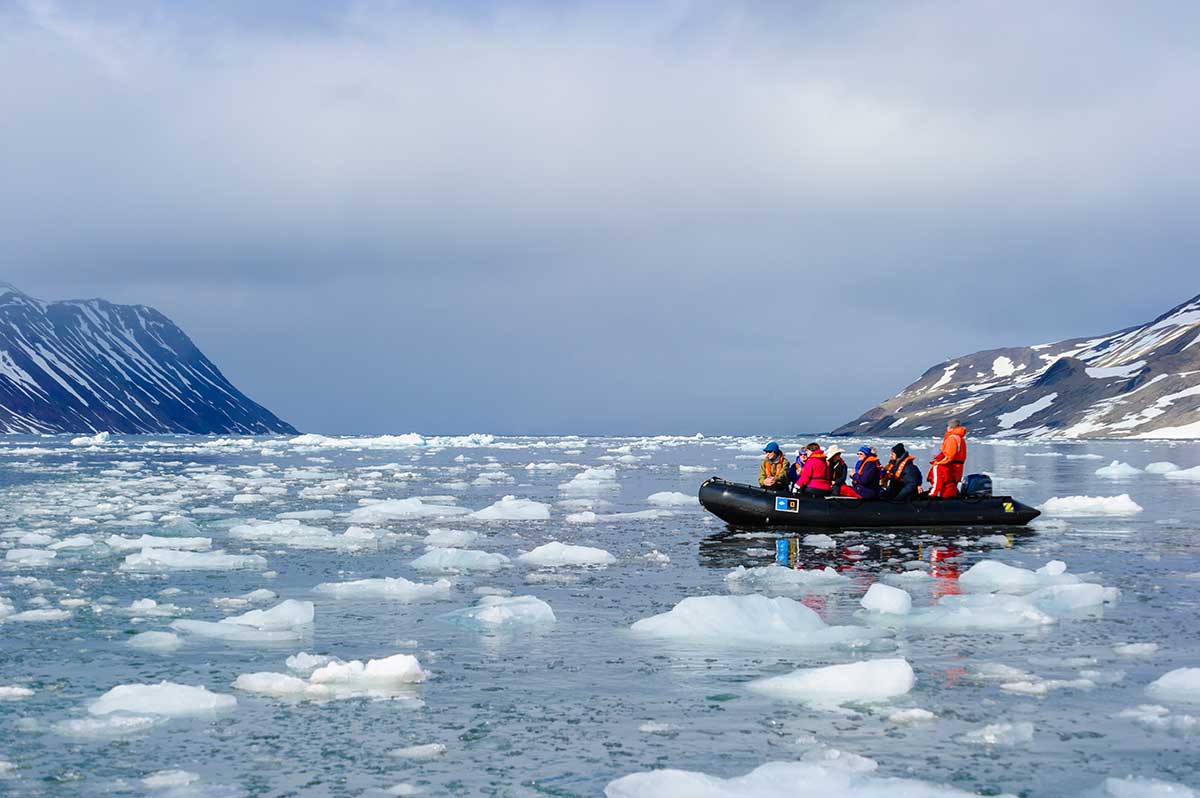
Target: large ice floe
297 535
505 612
160 559
284 623
390 588
1084 506
822 779
777 579
853 683
119 543
386 678
165 699
556 554
456 560
383 512
510 508
751 621
1181 684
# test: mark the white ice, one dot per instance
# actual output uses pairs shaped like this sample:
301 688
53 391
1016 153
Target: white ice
507 611
383 512
1003 733
510 508
450 538
671 499
390 588
173 560
1083 506
1181 684
390 677
748 621
777 579
1161 467
855 682
884 598
453 560
119 543
156 641
1118 470
166 699
555 554
419 752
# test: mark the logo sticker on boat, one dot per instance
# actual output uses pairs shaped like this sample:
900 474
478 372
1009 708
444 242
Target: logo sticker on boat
785 505
1008 507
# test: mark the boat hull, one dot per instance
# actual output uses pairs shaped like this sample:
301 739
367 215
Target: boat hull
749 507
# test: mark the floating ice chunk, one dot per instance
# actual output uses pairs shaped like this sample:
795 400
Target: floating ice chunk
583 517
1181 684
884 598
996 671
819 541
446 560
288 614
107 727
988 611
1117 470
306 515
869 681
556 554
156 641
1136 649
164 779
6 767
253 597
777 780
591 482
419 752
303 662
400 509
118 543
507 611
391 588
652 727
173 560
450 538
99 439
279 685
656 556
1068 506
776 578
72 543
149 608
1003 733
1191 474
510 508
671 499
1160 718
1133 787
995 576
1069 598
389 671
31 538
1040 687
754 621
29 558
842 760
12 692
166 699
38 616
915 715
1161 467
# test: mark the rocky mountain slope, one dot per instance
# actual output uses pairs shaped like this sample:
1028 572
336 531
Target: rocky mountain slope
92 366
1143 382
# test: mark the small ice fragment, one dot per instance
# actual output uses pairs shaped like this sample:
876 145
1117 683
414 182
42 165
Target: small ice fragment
156 641
1003 733
1136 649
419 752
914 715
884 598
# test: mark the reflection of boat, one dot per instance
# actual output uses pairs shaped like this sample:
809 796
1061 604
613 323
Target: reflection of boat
748 507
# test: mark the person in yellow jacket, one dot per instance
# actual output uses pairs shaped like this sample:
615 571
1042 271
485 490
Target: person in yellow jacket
772 472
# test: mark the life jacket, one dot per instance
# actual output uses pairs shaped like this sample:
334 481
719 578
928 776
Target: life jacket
894 470
954 447
868 459
776 468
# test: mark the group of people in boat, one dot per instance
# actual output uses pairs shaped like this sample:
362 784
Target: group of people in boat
818 472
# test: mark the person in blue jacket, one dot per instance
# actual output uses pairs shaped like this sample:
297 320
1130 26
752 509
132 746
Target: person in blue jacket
865 480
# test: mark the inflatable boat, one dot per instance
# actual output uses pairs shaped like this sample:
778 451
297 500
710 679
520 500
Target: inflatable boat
749 507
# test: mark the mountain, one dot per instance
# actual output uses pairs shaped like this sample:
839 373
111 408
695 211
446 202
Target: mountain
1143 382
92 366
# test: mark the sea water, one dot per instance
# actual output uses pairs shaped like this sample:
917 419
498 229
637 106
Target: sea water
373 616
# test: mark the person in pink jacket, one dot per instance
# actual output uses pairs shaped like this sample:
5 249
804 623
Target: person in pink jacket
813 479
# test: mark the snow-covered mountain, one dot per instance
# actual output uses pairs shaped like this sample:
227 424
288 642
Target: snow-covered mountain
1143 382
92 366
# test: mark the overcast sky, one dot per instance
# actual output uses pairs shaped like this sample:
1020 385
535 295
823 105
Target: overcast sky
601 216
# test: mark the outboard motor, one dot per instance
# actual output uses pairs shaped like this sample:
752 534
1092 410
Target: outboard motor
977 486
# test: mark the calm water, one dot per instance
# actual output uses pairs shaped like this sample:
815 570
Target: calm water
563 709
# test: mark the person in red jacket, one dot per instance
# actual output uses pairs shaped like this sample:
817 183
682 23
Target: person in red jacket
947 466
813 479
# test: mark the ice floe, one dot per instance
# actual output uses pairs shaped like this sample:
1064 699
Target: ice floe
1003 733
419 752
510 508
285 622
166 699
450 538
13 692
1118 470
506 611
158 559
777 579
1189 474
748 621
1181 684
1161 467
455 560
855 682
555 554
390 677
884 598
156 641
672 499
1083 506
390 588
383 512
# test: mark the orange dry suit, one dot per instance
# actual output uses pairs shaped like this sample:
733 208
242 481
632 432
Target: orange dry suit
947 467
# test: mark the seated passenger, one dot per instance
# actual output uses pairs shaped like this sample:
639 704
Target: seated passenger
901 478
772 472
813 479
793 472
837 470
865 482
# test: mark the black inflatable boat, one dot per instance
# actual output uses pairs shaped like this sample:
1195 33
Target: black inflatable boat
749 507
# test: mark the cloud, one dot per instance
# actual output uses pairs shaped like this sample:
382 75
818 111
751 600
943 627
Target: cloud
726 193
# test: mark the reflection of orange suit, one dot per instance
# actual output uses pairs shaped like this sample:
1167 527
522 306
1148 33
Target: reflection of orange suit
948 465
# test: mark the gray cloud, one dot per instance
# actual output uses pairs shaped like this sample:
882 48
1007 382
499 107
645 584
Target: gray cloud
602 217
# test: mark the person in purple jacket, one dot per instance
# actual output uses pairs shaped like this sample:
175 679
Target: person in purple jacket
866 474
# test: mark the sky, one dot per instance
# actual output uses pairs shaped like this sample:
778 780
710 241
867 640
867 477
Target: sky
601 217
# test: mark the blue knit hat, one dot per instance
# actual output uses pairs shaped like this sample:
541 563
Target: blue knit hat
771 447
865 450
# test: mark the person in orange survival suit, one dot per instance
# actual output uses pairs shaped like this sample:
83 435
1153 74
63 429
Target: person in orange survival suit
947 466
